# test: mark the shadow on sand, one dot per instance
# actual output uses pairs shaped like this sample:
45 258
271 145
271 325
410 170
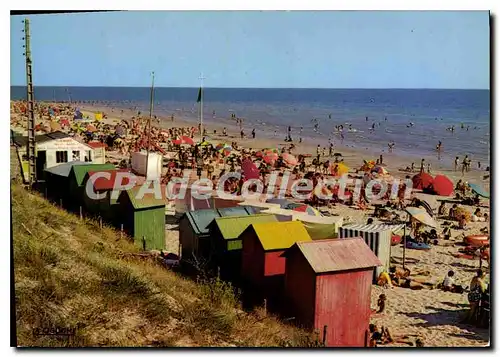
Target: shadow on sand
451 317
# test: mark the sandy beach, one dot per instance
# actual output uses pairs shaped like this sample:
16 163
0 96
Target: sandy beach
430 314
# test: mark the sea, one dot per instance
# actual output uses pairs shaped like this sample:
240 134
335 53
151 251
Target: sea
416 120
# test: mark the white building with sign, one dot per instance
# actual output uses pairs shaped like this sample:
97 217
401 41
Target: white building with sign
53 149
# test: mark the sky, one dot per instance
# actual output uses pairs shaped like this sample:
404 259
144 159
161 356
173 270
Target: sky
271 49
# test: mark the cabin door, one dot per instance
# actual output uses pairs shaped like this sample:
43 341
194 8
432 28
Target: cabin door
41 163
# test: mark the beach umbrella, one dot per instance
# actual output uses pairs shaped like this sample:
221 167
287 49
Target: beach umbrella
479 190
227 151
339 169
290 159
204 143
300 207
421 215
271 150
250 170
177 142
367 165
54 126
187 140
259 154
220 146
270 157
422 181
379 170
120 130
442 185
64 122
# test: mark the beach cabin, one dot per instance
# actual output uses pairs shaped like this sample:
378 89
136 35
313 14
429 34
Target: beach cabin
328 289
262 258
377 237
258 205
57 181
194 236
105 205
143 218
51 149
225 236
99 153
318 227
76 182
187 203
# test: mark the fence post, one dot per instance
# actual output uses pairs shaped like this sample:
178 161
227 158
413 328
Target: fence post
143 243
325 329
265 307
81 213
60 202
100 222
121 231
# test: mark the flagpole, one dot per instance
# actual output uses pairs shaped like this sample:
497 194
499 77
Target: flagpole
149 121
201 107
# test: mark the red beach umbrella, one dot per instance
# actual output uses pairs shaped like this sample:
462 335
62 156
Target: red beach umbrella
270 157
290 159
422 181
442 186
177 142
259 154
187 140
250 170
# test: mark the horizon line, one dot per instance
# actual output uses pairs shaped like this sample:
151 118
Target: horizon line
206 87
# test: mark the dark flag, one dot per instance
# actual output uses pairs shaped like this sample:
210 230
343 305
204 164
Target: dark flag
199 96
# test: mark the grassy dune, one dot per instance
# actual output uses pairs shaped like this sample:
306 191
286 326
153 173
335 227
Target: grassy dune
71 273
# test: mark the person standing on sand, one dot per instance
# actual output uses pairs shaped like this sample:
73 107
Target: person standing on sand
330 150
224 131
275 133
429 168
318 152
381 159
412 167
366 118
457 161
464 164
422 163
242 133
476 290
253 133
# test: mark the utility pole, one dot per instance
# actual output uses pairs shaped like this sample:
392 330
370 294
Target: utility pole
30 105
201 107
151 103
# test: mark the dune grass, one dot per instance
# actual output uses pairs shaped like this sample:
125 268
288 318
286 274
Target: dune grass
70 273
